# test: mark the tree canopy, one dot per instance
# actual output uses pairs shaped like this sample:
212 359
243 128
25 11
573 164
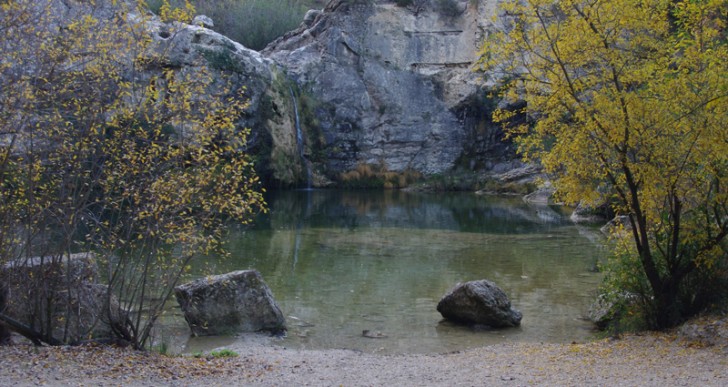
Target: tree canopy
107 146
627 102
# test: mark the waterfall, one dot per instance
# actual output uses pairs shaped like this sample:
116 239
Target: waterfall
299 140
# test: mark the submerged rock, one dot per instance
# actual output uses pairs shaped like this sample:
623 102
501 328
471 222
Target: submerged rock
373 334
479 302
230 303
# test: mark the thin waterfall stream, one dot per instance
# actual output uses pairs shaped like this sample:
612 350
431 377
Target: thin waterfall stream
299 139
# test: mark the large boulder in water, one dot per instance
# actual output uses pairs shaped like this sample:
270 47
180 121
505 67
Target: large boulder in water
479 302
229 303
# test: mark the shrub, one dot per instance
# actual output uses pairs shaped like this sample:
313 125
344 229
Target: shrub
222 60
626 286
148 183
223 353
378 176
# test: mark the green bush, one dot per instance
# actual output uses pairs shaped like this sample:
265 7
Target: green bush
223 353
155 5
626 287
627 290
222 60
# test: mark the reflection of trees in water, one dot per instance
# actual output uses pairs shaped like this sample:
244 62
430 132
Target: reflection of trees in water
449 211
393 215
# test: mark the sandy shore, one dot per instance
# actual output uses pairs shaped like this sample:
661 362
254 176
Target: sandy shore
695 358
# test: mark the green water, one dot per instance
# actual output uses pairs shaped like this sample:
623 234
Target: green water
342 262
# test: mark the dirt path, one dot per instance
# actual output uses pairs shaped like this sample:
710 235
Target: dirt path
636 360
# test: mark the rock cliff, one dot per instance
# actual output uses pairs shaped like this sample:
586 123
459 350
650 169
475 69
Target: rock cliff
359 82
392 86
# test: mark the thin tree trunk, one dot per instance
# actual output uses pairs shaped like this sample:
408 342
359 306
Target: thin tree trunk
4 331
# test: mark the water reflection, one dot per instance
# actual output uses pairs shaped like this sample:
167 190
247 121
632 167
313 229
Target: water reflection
342 262
452 211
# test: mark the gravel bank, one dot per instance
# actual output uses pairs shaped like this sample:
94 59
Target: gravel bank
689 358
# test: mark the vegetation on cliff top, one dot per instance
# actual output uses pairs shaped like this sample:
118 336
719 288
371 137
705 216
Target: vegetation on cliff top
253 23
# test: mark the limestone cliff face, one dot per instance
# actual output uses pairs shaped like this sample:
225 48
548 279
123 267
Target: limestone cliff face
359 82
270 114
392 85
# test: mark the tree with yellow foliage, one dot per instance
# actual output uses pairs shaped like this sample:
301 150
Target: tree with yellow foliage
627 102
108 146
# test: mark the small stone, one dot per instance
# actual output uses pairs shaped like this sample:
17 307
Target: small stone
203 21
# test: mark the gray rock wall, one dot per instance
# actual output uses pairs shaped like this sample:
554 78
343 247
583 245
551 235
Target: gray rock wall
372 83
361 82
394 86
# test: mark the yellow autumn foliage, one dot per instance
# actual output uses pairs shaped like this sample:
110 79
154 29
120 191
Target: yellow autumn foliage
106 146
627 102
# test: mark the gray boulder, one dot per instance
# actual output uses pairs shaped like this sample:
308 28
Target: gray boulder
95 313
706 331
203 21
60 293
601 312
584 213
608 309
479 302
229 303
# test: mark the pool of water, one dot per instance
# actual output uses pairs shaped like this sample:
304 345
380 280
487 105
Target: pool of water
341 262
